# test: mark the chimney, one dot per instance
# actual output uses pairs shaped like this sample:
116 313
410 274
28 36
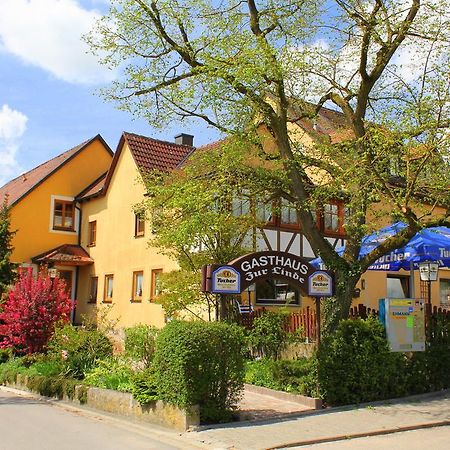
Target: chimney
184 139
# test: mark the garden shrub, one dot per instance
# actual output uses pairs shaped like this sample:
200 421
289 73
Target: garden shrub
10 369
31 312
268 336
5 354
140 343
111 373
144 386
296 376
201 363
355 364
79 349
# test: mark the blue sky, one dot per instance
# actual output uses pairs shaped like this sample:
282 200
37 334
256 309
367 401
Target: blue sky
48 84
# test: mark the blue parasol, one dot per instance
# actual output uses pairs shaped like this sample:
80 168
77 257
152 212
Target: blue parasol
429 244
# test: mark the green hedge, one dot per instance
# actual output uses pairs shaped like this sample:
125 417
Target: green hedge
355 364
200 363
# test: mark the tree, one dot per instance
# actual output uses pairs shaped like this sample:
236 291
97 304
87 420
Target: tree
243 67
34 308
201 214
7 268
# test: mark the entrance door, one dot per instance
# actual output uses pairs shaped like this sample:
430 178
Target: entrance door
66 275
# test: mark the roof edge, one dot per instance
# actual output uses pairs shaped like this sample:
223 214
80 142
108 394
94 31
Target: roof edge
83 147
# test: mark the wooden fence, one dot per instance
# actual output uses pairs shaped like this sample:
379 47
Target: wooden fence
305 319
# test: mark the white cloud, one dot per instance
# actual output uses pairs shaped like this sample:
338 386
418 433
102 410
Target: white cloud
47 34
12 126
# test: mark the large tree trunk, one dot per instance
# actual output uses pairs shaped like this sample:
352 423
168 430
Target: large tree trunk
338 307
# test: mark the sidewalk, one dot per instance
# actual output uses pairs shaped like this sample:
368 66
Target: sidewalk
329 425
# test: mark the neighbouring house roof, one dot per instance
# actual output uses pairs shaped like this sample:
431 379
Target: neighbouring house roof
19 187
328 123
65 255
152 154
148 154
93 190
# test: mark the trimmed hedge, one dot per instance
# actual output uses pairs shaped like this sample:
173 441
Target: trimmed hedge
200 363
355 365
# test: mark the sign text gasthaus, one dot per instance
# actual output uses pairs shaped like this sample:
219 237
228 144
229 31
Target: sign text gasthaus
259 266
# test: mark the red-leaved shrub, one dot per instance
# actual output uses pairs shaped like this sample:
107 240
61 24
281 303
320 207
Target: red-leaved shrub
32 310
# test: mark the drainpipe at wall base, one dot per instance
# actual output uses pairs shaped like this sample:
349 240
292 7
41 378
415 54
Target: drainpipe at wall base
77 270
75 294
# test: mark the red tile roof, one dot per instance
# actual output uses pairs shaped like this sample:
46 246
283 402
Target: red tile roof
151 153
19 187
93 189
328 123
148 154
66 254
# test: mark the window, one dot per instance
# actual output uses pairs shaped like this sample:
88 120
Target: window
92 233
138 285
156 283
276 292
288 213
397 286
139 225
109 281
241 203
63 215
93 288
332 217
264 211
444 293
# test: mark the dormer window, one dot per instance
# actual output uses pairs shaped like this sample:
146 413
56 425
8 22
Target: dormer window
63 215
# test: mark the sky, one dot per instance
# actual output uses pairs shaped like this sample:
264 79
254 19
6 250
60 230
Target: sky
48 85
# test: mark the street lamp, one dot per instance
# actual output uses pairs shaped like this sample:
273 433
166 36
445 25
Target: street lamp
429 272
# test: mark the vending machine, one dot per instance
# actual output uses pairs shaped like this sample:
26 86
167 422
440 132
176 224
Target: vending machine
404 320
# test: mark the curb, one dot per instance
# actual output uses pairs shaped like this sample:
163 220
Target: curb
344 437
311 402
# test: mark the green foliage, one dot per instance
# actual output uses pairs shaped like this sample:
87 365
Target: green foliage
239 67
5 354
296 376
10 369
79 349
140 343
111 373
7 268
268 335
200 363
82 394
144 386
180 292
355 364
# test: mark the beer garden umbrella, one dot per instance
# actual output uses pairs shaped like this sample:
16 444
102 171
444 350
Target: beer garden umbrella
428 245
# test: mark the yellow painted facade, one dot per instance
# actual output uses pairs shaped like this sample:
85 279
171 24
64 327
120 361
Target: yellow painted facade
118 252
32 215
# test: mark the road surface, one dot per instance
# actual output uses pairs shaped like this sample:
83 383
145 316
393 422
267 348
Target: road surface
28 423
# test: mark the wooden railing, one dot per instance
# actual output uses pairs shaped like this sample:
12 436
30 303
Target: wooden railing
305 320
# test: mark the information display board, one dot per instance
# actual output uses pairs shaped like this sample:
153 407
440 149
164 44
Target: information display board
404 319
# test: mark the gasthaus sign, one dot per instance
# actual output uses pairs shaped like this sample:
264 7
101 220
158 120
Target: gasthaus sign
237 275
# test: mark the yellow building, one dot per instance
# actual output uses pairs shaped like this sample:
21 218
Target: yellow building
75 213
124 276
44 211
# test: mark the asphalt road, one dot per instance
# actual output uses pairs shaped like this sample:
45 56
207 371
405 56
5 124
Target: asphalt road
27 423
